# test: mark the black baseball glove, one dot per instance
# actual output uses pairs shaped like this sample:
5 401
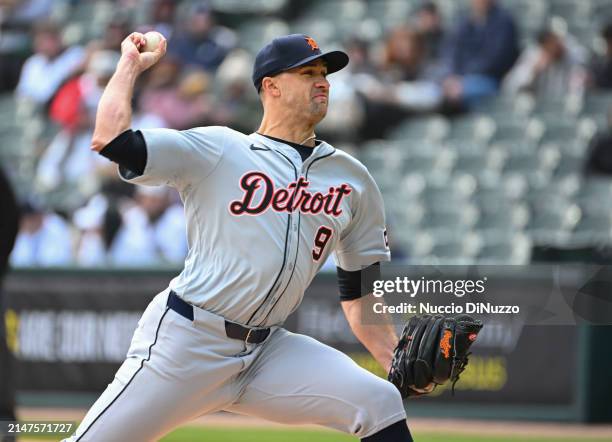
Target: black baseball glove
432 350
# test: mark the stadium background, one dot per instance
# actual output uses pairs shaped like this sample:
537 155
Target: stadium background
485 153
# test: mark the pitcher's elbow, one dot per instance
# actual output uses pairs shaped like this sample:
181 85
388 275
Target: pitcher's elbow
97 144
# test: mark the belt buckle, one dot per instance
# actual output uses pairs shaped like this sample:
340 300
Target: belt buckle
246 340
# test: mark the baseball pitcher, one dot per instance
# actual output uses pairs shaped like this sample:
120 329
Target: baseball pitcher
264 211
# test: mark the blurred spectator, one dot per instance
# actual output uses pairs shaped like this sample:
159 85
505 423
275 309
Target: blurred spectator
553 68
9 225
348 87
152 231
144 119
602 66
161 78
428 22
202 43
115 32
28 11
68 159
239 105
358 51
405 83
15 22
404 58
98 223
44 239
74 105
406 69
600 151
181 102
164 17
49 66
346 111
480 52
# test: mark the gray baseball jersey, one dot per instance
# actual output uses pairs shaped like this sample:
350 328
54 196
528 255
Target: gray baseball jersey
260 222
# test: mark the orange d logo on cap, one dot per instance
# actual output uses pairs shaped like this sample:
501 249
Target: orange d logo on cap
313 44
291 51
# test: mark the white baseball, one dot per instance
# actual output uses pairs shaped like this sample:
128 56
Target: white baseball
152 39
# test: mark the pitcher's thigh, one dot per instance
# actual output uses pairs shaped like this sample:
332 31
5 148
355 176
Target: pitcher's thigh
168 378
300 380
138 405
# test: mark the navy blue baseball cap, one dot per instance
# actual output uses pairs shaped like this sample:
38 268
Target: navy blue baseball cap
291 51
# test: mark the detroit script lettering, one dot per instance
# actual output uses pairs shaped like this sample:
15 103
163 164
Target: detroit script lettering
260 194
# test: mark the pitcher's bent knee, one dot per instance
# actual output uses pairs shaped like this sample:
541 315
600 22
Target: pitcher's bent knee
380 406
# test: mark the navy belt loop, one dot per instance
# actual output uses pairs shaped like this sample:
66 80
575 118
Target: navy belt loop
178 305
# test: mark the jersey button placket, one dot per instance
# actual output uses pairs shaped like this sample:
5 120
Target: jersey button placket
284 282
284 278
294 253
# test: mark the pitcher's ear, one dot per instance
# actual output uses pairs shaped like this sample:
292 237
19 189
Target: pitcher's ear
270 84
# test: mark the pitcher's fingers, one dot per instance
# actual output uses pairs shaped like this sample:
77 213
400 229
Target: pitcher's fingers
137 39
161 48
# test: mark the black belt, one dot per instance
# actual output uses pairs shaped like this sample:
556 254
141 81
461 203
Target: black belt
232 330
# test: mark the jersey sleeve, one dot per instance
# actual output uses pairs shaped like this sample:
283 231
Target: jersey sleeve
364 241
179 158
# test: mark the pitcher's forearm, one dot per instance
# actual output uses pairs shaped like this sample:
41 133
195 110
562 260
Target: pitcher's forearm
114 114
376 333
379 340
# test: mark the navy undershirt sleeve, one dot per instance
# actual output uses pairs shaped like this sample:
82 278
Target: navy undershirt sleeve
354 285
129 151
